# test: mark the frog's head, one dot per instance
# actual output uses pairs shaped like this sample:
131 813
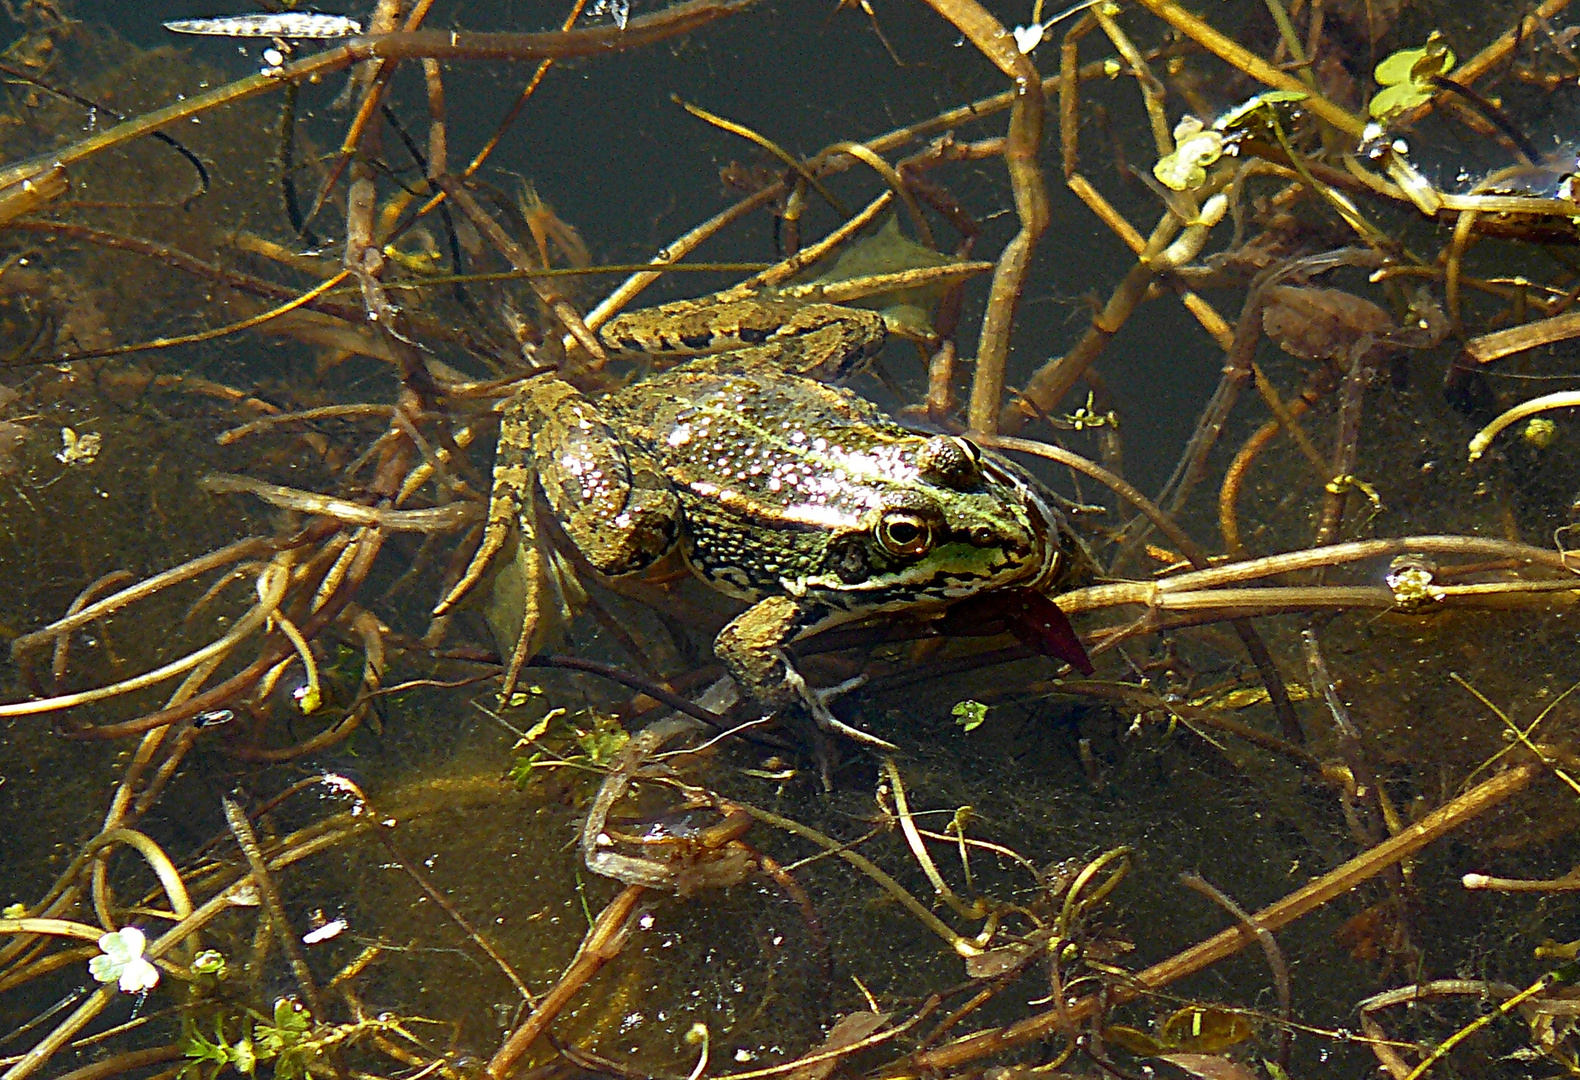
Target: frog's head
950 521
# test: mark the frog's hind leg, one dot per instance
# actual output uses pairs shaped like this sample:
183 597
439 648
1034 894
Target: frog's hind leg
535 591
536 595
561 473
513 478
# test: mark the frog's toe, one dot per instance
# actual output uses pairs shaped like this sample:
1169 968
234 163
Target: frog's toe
817 703
830 722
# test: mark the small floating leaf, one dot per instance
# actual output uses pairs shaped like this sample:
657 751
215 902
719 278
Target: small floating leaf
1406 77
121 961
1028 38
969 714
1195 147
209 962
78 449
1253 106
1204 1030
1192 1031
1540 432
1133 1041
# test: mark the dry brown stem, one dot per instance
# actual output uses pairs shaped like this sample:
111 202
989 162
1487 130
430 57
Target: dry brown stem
602 944
1297 904
1031 201
434 44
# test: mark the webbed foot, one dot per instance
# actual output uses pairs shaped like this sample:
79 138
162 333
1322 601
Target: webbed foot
753 649
817 703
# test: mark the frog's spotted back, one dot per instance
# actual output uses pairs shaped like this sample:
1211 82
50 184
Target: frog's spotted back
792 486
781 489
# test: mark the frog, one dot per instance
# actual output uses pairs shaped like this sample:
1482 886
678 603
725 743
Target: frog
776 484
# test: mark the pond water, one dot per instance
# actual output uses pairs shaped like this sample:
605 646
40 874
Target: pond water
430 872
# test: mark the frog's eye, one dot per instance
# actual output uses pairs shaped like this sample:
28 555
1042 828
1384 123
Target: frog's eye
950 460
904 533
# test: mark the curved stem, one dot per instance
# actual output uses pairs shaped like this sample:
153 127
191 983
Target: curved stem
158 861
1031 200
241 549
1301 902
268 601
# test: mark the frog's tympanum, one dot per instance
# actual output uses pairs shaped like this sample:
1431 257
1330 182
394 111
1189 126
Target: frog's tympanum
780 489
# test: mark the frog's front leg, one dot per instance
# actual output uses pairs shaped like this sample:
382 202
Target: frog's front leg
752 647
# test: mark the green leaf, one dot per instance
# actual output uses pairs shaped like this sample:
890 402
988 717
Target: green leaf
209 962
521 770
1398 98
604 741
291 1022
969 714
1406 77
290 1015
1254 105
200 1049
1195 147
242 1057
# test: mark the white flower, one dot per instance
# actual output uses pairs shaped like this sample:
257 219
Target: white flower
1029 37
122 959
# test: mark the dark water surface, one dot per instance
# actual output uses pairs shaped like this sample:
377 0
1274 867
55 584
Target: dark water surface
1056 778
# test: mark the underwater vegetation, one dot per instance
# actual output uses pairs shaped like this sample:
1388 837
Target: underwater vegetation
741 539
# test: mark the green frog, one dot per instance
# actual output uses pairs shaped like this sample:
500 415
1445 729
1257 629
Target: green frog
777 486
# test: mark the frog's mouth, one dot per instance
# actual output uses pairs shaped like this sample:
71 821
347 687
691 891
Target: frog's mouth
1054 541
1043 558
953 571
